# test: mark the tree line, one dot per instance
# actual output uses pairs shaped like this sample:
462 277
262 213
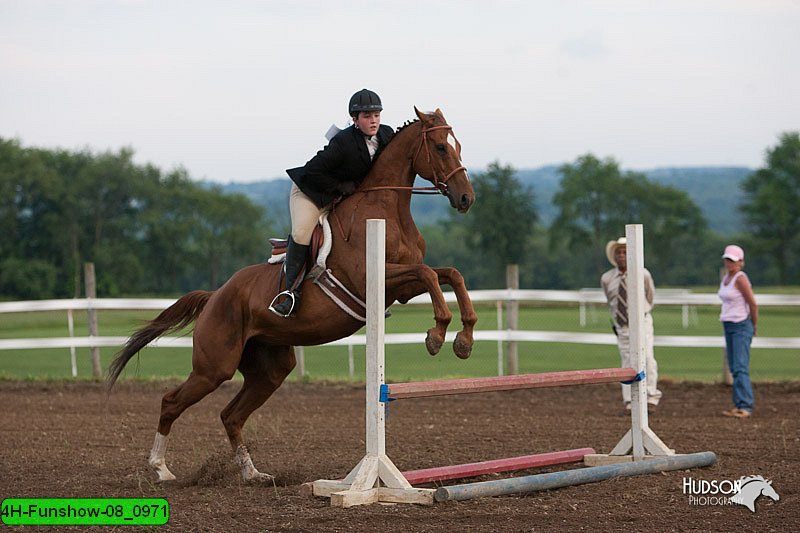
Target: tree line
596 199
151 232
147 231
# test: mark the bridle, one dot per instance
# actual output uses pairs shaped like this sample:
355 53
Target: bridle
440 177
439 183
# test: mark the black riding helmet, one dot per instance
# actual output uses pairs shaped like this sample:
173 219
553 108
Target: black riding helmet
364 100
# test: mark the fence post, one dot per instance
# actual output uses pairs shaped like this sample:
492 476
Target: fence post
91 293
300 355
512 318
350 362
582 310
71 328
500 359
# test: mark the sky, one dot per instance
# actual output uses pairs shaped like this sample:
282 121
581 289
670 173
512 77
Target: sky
242 90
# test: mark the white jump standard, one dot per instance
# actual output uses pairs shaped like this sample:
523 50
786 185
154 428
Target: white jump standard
376 479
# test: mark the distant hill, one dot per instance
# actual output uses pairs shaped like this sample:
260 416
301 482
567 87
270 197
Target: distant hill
715 190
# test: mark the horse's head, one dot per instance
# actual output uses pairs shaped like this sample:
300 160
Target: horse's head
438 160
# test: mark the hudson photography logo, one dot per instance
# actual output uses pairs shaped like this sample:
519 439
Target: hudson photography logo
743 491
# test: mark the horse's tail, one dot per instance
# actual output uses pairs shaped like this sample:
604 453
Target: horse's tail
174 318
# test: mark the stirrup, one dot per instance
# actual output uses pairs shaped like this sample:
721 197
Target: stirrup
288 293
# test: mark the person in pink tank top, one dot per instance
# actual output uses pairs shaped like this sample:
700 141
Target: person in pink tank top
739 317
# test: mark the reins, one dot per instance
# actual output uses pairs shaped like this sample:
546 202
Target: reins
414 190
439 183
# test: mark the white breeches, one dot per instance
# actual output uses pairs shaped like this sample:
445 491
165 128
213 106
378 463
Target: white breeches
305 215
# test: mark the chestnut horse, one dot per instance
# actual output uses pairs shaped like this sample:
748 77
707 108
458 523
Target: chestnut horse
234 329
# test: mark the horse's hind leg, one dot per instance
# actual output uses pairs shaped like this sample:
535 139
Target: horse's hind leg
264 368
175 402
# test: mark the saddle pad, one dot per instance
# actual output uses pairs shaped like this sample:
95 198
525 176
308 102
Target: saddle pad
317 243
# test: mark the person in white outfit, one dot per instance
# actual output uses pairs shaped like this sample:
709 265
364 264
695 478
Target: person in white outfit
614 284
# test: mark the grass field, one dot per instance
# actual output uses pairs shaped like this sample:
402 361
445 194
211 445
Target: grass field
411 362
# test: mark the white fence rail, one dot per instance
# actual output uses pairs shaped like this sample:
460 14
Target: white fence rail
582 297
662 297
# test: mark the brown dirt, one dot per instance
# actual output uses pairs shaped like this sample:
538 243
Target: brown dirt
71 440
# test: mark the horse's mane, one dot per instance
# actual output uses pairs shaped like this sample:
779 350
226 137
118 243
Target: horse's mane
407 124
404 126
401 128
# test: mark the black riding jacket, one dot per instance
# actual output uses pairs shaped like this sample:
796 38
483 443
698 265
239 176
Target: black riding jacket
341 166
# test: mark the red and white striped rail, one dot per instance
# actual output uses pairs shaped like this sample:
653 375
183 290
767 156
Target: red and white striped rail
509 464
443 387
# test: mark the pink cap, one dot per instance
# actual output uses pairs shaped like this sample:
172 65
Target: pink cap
733 252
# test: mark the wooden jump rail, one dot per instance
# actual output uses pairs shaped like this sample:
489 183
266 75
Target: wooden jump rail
442 387
524 462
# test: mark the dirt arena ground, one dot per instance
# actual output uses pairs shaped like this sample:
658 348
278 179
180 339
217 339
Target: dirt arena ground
72 440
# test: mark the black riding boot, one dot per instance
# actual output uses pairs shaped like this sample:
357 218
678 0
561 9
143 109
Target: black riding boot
287 302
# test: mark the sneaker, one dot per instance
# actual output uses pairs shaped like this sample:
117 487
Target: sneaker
737 413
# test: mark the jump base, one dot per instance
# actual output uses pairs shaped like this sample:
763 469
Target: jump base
342 495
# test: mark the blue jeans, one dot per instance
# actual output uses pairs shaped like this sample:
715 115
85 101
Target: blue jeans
738 336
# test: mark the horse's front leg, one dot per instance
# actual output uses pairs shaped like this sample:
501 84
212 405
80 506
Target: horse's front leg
462 345
408 281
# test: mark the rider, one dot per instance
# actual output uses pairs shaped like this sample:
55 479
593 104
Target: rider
337 170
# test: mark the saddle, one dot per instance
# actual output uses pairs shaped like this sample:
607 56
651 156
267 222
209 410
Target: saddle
279 247
318 273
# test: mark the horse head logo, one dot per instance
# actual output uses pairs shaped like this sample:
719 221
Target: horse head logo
751 487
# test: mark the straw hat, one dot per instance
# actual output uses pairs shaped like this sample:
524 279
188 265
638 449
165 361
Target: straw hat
611 249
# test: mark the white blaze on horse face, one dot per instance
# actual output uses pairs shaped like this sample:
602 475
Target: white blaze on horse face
451 140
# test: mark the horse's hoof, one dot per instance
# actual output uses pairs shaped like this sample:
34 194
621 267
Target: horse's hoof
433 343
461 348
164 475
259 478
